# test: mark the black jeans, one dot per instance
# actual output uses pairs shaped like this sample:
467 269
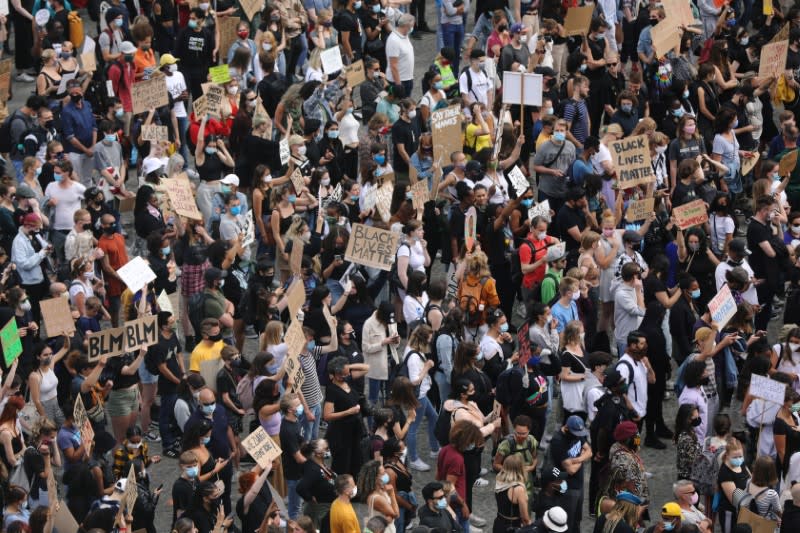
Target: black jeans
655 404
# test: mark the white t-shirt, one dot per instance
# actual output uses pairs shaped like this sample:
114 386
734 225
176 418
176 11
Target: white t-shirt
68 201
481 85
348 130
500 195
415 364
490 348
603 154
637 387
750 295
399 46
413 309
176 84
720 227
415 254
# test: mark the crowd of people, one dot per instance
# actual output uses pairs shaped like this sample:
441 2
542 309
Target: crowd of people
537 342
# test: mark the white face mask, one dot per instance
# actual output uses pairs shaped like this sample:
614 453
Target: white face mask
173 67
267 178
266 46
794 347
354 492
302 150
796 229
661 149
412 113
204 6
325 182
233 89
25 306
523 39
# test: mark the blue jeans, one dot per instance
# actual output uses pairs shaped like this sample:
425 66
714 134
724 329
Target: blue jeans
165 425
374 390
444 386
426 410
311 427
453 36
183 126
18 167
400 521
463 522
295 501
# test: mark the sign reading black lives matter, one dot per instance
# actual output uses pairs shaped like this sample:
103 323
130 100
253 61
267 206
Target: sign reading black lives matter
372 247
631 158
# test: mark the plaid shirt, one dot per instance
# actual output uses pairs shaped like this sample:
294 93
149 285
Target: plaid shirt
123 458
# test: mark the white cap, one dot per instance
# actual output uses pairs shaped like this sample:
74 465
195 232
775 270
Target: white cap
151 164
231 179
127 47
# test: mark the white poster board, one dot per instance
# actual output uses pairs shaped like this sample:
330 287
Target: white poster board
767 389
522 89
331 60
136 273
542 209
519 181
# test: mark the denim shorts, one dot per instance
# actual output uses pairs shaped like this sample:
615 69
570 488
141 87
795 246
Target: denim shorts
145 376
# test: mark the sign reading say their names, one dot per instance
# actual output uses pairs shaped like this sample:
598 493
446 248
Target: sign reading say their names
767 389
446 130
136 273
155 133
261 447
133 336
519 181
331 60
631 158
149 94
722 307
181 197
639 209
373 247
57 317
773 59
691 214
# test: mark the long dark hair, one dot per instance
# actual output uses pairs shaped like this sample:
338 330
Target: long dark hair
683 421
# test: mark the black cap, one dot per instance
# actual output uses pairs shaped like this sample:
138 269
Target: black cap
554 474
214 273
448 53
631 236
477 53
739 246
613 378
545 71
472 166
91 192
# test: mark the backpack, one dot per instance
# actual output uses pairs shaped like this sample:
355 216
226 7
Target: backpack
503 388
512 443
443 423
197 310
631 381
401 370
468 72
8 145
470 300
394 277
516 263
705 469
742 499
424 319
244 391
536 293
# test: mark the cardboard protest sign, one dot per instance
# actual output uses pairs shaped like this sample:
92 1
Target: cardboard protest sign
82 421
63 519
251 7
749 164
331 60
639 209
296 296
182 198
88 62
136 273
294 337
373 247
355 73
420 194
227 33
298 181
219 74
470 228
261 447
680 11
249 231
542 209
57 317
631 157
519 181
5 78
149 94
131 490
691 214
578 20
132 336
722 306
283 148
767 389
787 163
446 130
155 133
209 370
522 88
370 198
294 373
11 341
62 85
666 36
383 197
773 59
296 257
214 97
757 523
783 34
200 107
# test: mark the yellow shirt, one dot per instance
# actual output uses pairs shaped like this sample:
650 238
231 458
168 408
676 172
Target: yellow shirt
202 353
483 141
343 518
542 138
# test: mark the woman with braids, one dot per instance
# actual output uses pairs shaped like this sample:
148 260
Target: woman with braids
374 484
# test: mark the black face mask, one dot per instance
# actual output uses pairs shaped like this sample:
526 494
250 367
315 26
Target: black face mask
110 230
76 97
87 227
696 422
215 338
49 124
653 22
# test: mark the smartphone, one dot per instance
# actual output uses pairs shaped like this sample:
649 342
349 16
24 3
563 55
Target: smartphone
337 257
161 486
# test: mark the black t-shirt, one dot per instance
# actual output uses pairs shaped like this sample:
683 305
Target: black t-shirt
457 219
226 382
756 234
792 60
567 218
257 510
354 356
566 446
403 133
182 494
114 369
203 520
739 479
683 193
166 351
291 439
652 285
347 21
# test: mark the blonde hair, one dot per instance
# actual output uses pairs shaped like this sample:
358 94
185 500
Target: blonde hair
297 224
478 264
608 215
272 334
622 511
588 239
418 340
48 54
646 126
512 471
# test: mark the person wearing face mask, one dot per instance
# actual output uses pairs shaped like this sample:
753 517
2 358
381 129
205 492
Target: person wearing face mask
343 517
49 78
132 448
553 492
627 112
552 160
515 55
110 162
187 399
686 499
317 485
79 128
785 430
184 486
569 450
177 88
341 410
474 85
436 512
696 258
195 49
405 139
291 438
210 347
204 509
231 224
144 59
28 253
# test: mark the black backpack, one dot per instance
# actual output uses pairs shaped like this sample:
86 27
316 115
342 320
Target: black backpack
197 310
401 370
516 262
7 144
536 293
443 424
503 389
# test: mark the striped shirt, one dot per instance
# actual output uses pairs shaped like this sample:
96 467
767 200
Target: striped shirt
312 392
577 114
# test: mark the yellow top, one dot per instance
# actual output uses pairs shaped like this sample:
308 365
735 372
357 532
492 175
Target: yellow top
203 353
343 518
483 141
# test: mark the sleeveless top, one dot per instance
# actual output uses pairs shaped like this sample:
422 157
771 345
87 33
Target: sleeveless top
16 447
507 512
272 425
403 478
49 387
285 222
211 169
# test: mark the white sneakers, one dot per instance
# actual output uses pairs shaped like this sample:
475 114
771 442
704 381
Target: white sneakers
420 465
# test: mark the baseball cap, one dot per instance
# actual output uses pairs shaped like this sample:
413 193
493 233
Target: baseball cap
214 273
739 246
671 510
613 378
576 426
23 191
231 179
555 519
630 497
517 27
554 253
472 166
151 164
168 59
554 474
127 47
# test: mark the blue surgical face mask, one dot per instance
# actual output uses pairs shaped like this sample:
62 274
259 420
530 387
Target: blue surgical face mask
225 189
379 158
209 409
192 24
357 5
584 67
686 93
235 210
333 134
695 294
479 357
504 327
737 461
353 197
678 112
559 136
110 138
210 150
119 113
119 22
292 198
669 526
57 177
299 410
527 203
441 504
735 124
206 440
409 196
626 108
471 447
438 85
166 250
310 345
385 479
376 8
563 486
38 171
193 471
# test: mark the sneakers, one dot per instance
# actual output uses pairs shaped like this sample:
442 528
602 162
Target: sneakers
434 455
152 436
480 482
250 332
483 472
24 78
420 465
476 520
173 453
653 442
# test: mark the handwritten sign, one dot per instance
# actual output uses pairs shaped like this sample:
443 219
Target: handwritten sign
11 342
542 209
296 297
164 303
692 214
372 247
722 307
680 11
296 257
331 60
149 94
522 88
294 373
298 181
332 198
131 490
251 7
383 197
283 148
420 196
370 198
640 209
249 229
133 336
261 447
470 227
200 107
294 337
666 36
88 62
181 197
57 317
578 20
136 273
5 78
355 73
155 133
773 59
631 158
748 164
446 130
82 421
519 181
783 34
787 163
214 97
767 389
219 74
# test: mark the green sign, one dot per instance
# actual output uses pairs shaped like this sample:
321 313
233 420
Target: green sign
220 74
11 342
